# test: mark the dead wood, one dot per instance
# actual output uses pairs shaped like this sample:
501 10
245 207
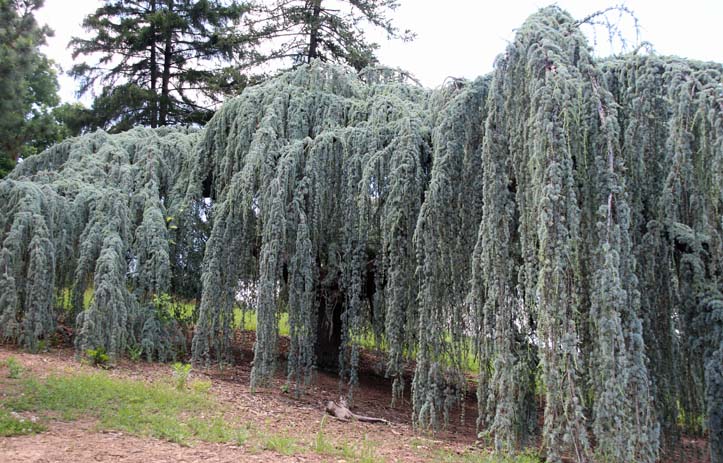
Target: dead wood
342 413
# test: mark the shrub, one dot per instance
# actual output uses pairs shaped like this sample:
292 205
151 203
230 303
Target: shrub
15 369
201 387
98 357
181 371
134 352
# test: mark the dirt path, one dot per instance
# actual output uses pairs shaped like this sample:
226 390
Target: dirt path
78 442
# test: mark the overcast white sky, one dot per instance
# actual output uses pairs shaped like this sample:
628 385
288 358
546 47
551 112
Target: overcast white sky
461 38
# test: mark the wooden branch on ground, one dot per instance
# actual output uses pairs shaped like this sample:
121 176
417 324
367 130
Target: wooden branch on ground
342 413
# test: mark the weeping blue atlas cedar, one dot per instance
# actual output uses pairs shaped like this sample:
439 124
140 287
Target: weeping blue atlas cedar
559 219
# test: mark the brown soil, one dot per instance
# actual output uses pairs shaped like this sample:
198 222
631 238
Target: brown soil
269 410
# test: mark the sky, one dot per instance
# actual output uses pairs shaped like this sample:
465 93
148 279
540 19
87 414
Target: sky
461 38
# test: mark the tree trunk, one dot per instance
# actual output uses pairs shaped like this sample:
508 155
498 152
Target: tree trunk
167 57
154 72
328 339
314 31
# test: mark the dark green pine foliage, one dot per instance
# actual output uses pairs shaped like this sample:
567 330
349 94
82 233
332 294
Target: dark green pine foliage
28 259
159 62
560 218
553 64
624 424
28 85
331 31
710 321
506 355
527 261
303 277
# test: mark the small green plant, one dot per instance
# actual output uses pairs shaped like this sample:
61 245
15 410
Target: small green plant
15 369
163 303
321 444
135 352
285 388
367 453
181 371
42 346
346 450
280 443
12 424
98 357
200 386
243 435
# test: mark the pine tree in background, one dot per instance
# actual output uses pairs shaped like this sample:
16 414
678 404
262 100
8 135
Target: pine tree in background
159 61
332 31
28 85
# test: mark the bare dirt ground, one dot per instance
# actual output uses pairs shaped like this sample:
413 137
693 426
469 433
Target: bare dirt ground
271 410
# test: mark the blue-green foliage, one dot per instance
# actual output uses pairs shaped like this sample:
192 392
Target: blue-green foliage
92 210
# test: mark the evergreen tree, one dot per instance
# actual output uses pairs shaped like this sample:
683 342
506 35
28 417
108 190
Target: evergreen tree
28 85
321 29
159 60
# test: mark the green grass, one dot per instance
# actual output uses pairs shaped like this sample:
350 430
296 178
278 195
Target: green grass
201 386
364 453
242 436
15 369
367 452
145 409
185 416
246 320
483 456
280 443
63 299
16 426
242 319
321 444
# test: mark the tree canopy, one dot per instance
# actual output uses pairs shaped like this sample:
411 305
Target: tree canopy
560 218
168 62
160 62
28 85
331 31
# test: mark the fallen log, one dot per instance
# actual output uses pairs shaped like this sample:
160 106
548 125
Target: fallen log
342 413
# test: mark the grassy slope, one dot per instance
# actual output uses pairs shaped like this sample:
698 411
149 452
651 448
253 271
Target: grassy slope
170 410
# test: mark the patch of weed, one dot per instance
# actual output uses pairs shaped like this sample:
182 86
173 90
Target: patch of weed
97 357
135 352
14 425
280 443
483 456
181 371
242 436
201 386
367 452
136 407
321 443
15 369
